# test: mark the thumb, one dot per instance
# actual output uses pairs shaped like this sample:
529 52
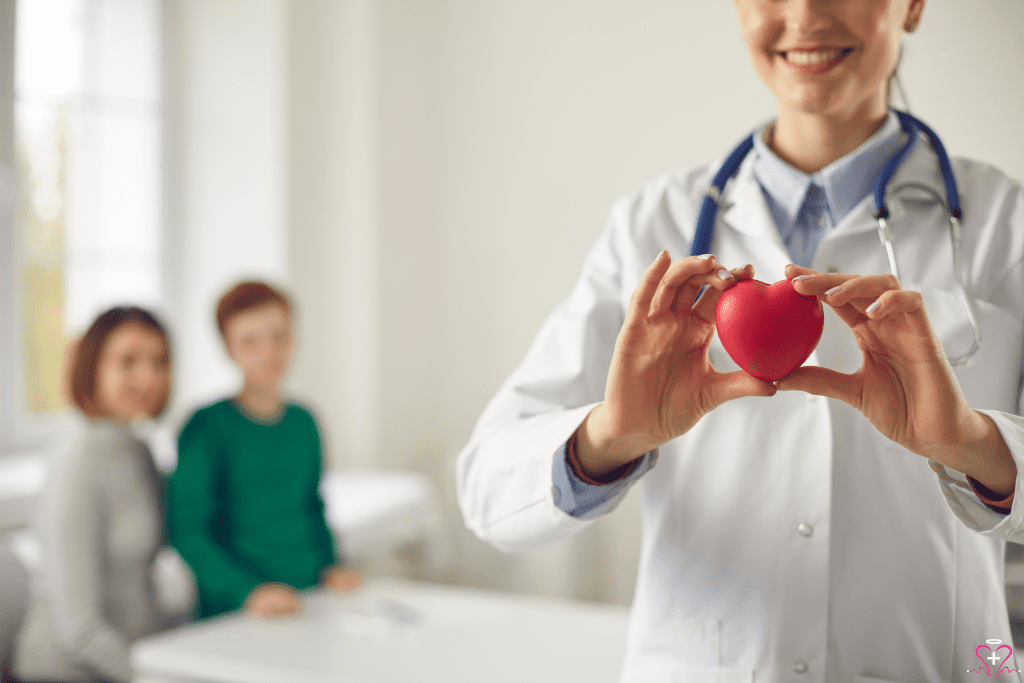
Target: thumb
823 382
725 386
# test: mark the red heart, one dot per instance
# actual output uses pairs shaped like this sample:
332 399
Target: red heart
769 330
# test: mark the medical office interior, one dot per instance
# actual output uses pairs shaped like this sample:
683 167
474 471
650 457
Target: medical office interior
423 179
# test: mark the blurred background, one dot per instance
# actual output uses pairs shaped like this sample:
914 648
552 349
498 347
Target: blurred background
423 177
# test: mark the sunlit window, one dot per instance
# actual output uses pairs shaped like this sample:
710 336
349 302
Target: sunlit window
88 145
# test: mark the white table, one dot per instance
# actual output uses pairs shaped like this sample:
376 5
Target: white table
394 631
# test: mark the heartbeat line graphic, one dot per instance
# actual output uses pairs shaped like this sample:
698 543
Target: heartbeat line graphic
993 657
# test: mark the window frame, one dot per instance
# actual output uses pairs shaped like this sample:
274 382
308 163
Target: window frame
22 430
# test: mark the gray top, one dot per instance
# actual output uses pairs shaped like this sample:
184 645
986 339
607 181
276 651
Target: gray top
99 522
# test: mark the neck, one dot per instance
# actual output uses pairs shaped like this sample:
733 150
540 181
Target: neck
810 142
260 402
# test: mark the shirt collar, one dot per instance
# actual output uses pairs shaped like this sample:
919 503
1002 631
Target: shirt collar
845 181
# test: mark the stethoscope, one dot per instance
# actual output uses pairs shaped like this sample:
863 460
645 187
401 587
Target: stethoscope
912 127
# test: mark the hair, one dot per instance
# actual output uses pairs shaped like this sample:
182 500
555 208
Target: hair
246 295
84 356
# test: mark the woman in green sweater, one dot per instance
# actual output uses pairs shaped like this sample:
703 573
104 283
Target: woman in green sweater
244 507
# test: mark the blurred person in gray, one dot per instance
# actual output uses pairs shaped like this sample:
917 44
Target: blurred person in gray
100 517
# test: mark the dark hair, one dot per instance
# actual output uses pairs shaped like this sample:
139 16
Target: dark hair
85 356
246 295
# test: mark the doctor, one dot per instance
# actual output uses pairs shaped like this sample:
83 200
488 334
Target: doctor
848 522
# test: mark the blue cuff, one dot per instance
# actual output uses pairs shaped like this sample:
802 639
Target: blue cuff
582 500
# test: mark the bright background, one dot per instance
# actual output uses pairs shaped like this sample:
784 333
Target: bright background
425 178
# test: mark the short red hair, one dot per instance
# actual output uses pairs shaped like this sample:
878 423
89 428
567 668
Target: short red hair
246 295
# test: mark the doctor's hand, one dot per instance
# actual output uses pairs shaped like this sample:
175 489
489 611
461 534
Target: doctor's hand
660 382
906 387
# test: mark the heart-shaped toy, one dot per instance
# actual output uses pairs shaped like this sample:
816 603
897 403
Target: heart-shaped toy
768 330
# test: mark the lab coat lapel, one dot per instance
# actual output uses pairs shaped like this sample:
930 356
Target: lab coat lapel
745 212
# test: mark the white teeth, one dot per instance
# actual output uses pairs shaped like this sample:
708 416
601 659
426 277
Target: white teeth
807 58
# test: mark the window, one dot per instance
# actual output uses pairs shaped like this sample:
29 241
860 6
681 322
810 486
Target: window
88 219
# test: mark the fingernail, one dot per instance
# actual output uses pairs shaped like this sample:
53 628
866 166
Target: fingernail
706 256
724 274
874 307
834 290
802 277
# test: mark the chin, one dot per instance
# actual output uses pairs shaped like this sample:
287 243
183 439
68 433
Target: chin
270 385
822 109
275 381
826 102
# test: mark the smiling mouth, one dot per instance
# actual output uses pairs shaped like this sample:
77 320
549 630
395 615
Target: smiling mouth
815 57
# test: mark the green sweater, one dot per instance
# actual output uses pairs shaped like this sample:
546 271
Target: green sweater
244 506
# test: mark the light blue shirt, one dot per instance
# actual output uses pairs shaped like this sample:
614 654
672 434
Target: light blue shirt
804 208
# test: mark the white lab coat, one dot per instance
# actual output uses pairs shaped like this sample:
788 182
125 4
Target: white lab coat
898 573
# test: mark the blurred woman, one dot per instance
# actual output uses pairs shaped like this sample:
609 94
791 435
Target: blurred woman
99 519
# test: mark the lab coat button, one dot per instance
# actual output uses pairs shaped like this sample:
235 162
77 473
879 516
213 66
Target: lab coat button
800 667
805 530
833 269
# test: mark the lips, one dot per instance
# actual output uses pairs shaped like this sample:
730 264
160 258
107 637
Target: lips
815 58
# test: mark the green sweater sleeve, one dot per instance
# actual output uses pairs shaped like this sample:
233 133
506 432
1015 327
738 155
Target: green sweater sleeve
191 510
329 551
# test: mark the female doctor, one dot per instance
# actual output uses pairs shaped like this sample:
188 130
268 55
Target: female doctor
846 523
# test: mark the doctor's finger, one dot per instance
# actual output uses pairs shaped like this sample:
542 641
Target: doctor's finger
725 386
640 301
699 268
712 284
707 303
812 283
792 270
898 301
823 382
862 291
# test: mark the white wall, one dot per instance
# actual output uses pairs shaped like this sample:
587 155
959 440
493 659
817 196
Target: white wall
546 113
962 70
334 237
226 188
